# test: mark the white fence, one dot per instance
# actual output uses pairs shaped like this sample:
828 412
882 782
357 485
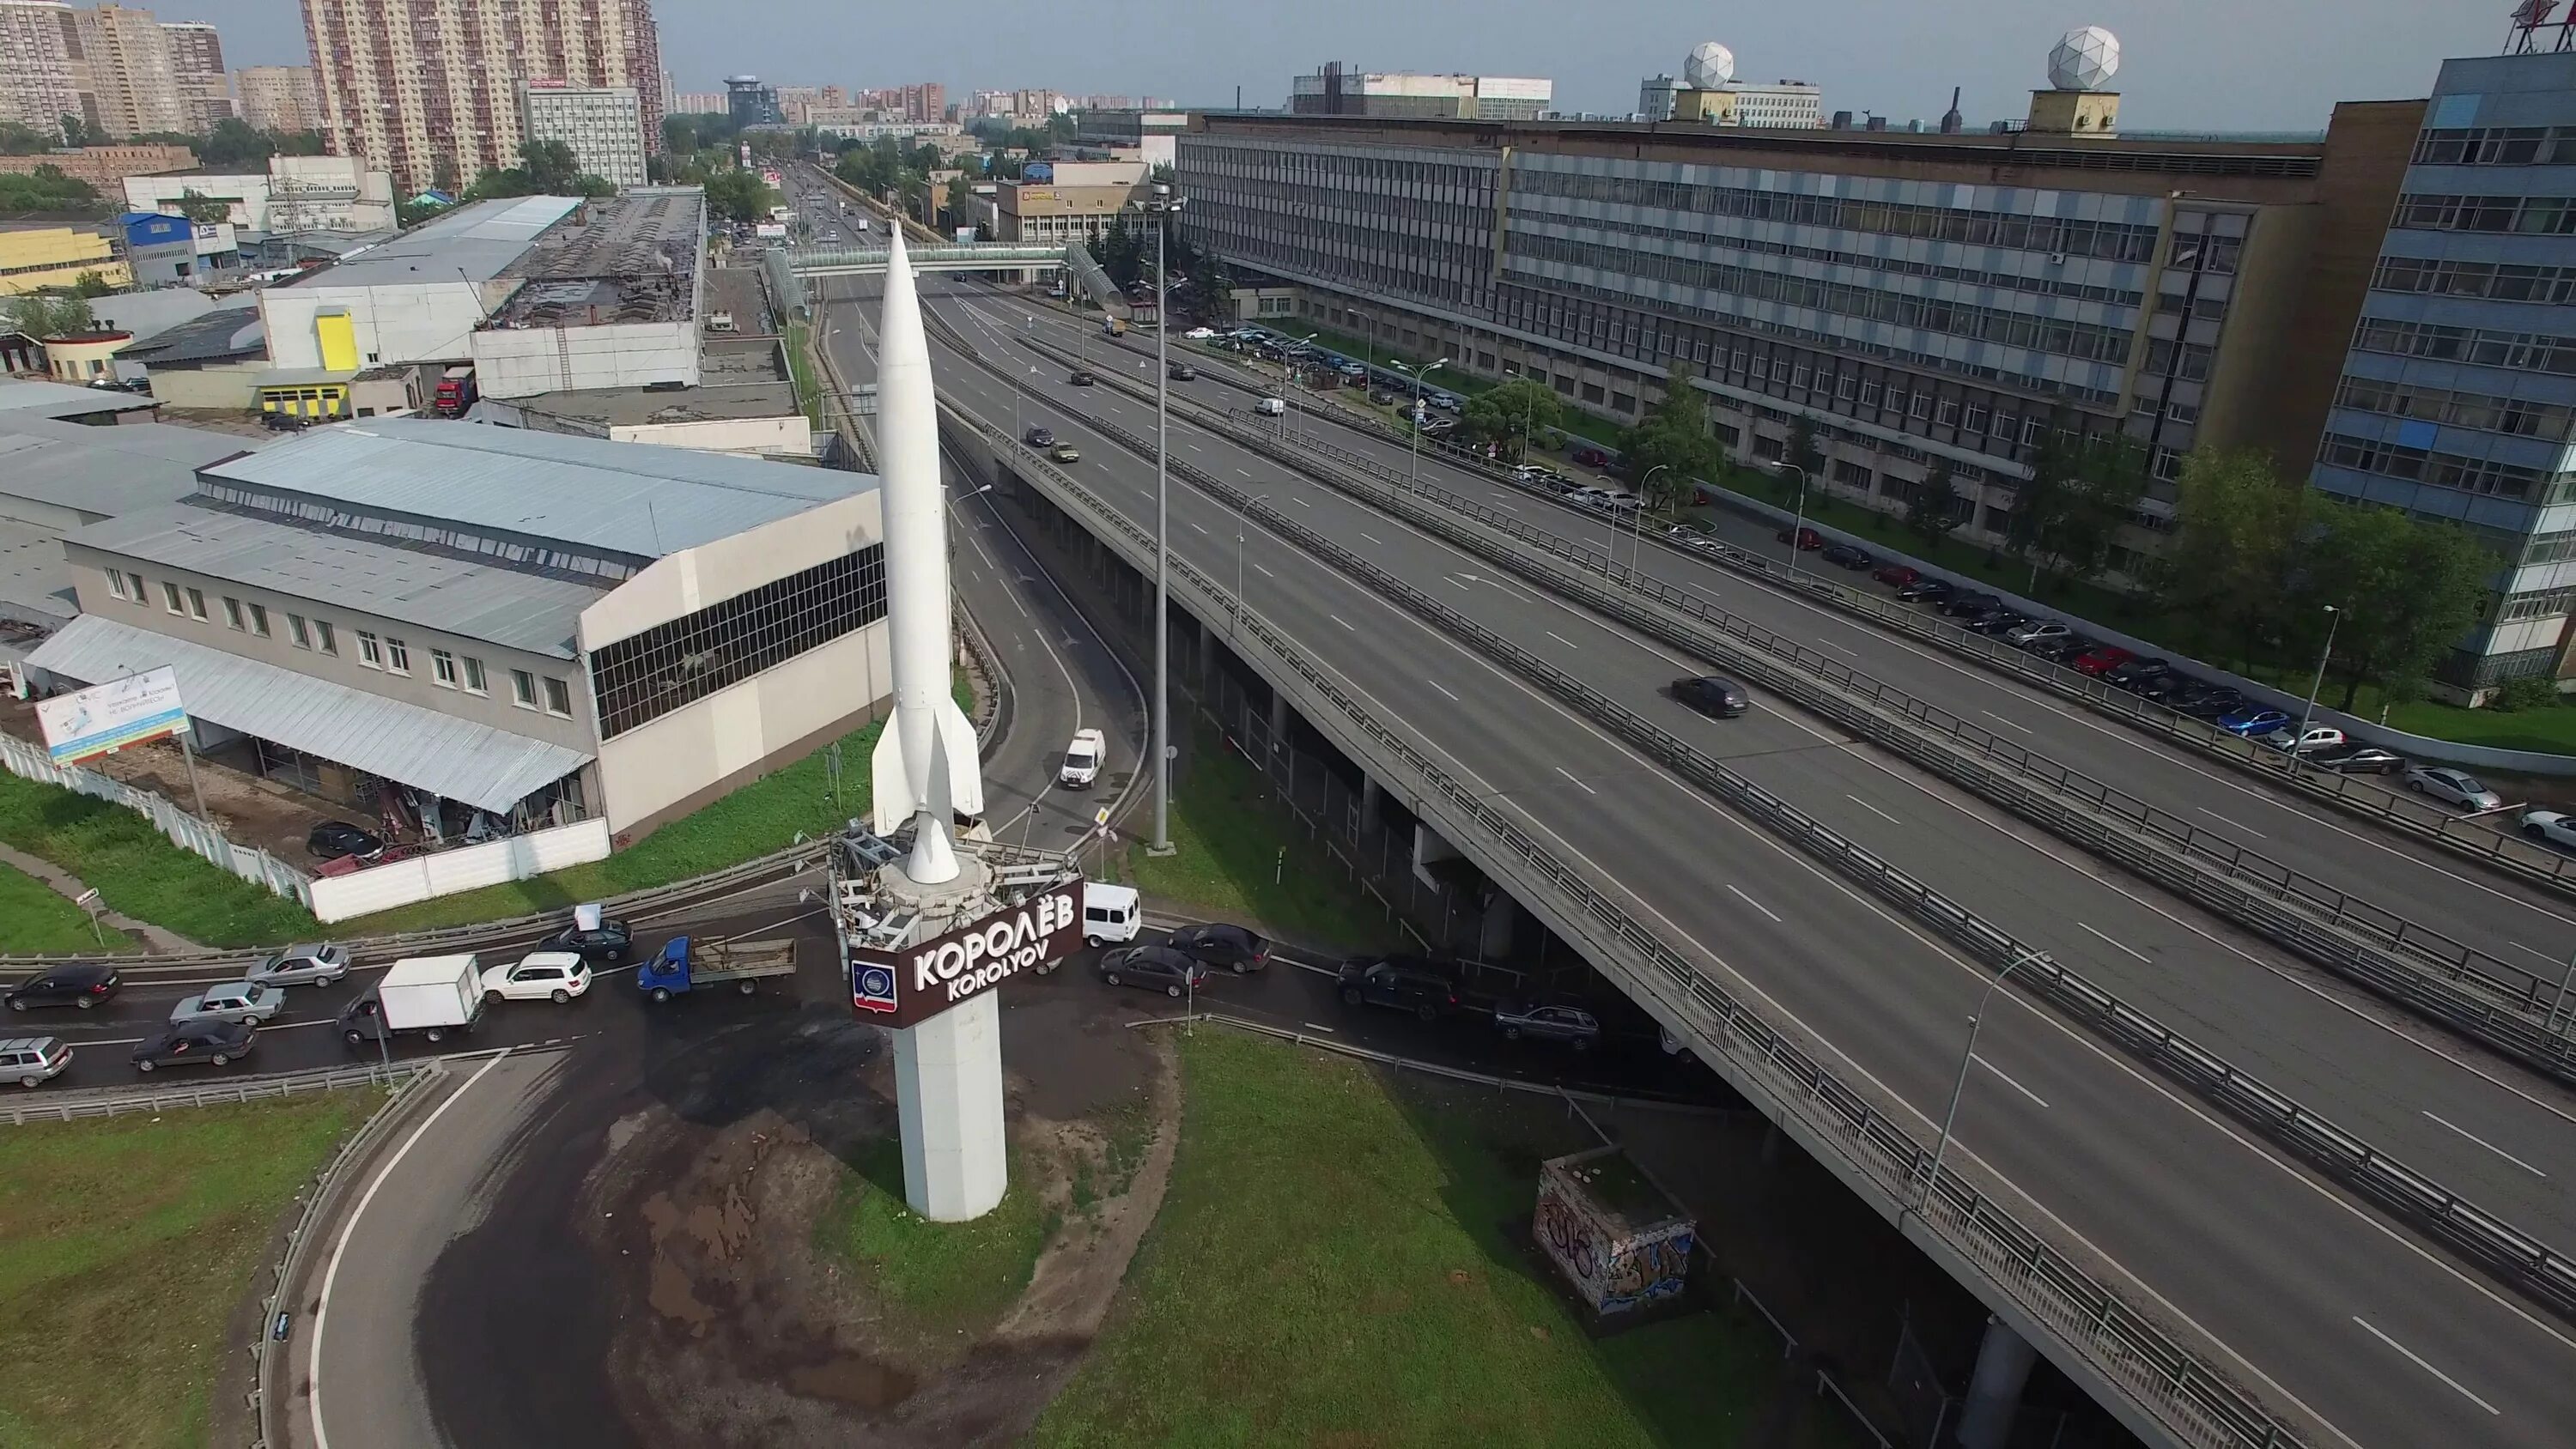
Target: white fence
445 872
185 830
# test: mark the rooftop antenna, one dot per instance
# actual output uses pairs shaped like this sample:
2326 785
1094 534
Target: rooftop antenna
1951 121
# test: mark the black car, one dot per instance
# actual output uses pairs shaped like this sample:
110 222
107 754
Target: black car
1713 695
1848 556
2212 703
1082 377
333 839
2173 685
1962 603
1926 591
1217 944
211 1042
2136 674
610 942
1181 372
2063 648
1548 1021
1995 621
80 986
1039 437
1406 983
2358 760
1156 968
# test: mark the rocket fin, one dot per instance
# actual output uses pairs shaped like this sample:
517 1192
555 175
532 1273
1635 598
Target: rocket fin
965 762
893 802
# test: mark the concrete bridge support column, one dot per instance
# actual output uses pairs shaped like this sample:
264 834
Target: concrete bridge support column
1994 1391
1372 805
1279 713
1494 937
1429 849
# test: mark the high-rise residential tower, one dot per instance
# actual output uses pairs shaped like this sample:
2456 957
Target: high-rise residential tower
197 65
278 97
39 83
429 90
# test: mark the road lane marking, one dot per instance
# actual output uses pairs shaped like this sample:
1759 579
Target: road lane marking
1373 538
1757 905
2455 1384
2114 944
1561 639
1265 573
330 1275
1453 581
2489 1146
2223 820
1338 619
1194 524
263 1027
1243 472
1444 689
1300 502
1874 810
2007 1080
2008 724
1588 790
1319 1026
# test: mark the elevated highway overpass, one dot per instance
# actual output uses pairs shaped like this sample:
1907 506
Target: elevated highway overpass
2339 1319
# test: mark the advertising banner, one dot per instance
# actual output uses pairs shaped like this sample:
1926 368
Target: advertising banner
91 722
909 986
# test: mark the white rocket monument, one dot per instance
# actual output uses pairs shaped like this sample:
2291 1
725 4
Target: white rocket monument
925 768
948 1068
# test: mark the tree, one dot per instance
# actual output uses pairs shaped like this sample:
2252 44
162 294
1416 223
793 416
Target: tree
1937 506
1670 447
1511 414
48 189
513 182
75 131
22 140
551 168
2405 590
588 184
93 284
1122 252
196 206
2067 516
738 195
1803 451
2237 528
41 315
236 145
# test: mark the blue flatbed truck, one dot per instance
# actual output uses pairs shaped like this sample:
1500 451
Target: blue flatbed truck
687 964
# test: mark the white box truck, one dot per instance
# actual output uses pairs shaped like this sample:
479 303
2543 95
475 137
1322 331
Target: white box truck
428 995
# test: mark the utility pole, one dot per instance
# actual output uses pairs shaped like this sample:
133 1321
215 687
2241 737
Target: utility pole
1163 207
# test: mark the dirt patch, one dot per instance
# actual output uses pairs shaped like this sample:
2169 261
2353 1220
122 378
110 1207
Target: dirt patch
740 1330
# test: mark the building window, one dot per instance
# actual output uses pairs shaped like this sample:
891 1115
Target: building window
134 586
170 598
642 677
197 605
370 653
116 582
397 655
296 633
558 697
523 689
324 636
442 667
233 614
259 620
474 676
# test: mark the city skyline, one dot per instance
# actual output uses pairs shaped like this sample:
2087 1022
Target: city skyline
2194 64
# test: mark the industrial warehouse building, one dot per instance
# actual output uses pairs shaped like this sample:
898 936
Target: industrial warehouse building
447 621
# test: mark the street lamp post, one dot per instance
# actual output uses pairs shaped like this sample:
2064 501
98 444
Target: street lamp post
1413 474
2334 620
1637 549
1798 530
1967 1055
1162 206
1297 384
1238 558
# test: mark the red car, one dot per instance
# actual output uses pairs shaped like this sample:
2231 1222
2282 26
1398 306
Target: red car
2102 660
1808 539
1898 575
1591 457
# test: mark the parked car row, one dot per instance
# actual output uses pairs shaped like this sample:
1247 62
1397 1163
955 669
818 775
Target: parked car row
1179 964
1428 991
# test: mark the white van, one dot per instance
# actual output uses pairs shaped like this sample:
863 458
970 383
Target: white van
1271 407
1110 913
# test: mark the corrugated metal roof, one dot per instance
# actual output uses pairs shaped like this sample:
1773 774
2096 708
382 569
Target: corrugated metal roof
629 498
27 397
101 470
479 240
520 610
227 331
455 758
35 583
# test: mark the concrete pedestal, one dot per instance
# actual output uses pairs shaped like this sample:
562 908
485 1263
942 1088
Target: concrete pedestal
1994 1392
948 1093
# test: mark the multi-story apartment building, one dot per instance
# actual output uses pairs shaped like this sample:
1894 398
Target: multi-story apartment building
1917 300
1334 91
133 76
2458 397
429 89
197 65
39 84
278 97
1782 103
602 124
699 103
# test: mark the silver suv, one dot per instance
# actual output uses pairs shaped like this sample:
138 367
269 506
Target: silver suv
30 1060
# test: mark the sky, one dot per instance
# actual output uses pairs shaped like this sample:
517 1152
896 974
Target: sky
2186 64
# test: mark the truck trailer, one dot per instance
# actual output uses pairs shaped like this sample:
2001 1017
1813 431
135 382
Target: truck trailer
430 996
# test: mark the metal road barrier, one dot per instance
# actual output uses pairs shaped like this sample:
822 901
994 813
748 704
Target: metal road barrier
1841 1122
115 1101
2484 1237
2502 1004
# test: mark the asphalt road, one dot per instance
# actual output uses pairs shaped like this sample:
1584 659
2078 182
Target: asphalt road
2525 926
2308 1290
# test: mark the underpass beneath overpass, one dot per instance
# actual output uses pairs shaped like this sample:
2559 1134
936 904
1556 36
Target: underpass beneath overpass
2280 1247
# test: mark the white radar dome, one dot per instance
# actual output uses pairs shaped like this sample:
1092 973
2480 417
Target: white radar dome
1709 66
2084 60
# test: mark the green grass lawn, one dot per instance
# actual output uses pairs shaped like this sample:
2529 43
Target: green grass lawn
1228 832
35 921
800 370
139 872
945 1279
1330 1267
125 1245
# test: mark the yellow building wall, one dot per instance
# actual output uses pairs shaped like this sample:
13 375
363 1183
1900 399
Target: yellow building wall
56 257
337 335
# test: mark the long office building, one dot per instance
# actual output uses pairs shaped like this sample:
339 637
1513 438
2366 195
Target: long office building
429 89
1917 299
601 124
2458 398
1335 91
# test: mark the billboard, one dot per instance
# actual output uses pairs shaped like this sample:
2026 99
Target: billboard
1042 171
88 723
908 986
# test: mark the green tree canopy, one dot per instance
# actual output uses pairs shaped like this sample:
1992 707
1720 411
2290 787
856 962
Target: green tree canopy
197 206
551 168
2067 516
48 189
1936 506
22 140
1511 414
43 314
2237 528
739 195
1670 446
2406 590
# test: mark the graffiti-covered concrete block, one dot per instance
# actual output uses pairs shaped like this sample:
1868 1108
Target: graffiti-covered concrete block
1617 1238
